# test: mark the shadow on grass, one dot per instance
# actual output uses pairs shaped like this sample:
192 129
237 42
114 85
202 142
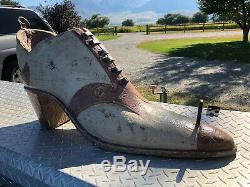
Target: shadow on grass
226 51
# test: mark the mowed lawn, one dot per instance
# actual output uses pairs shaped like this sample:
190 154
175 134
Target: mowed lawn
106 37
221 48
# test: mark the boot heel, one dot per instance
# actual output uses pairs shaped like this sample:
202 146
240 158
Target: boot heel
49 112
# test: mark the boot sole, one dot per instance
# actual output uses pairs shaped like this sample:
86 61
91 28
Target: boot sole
114 147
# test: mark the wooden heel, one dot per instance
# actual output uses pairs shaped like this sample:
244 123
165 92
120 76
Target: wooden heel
49 112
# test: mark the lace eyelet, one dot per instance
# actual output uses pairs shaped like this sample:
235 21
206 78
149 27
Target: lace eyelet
107 59
84 36
123 82
116 70
102 53
93 42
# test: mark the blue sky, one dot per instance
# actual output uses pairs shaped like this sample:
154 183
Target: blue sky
141 11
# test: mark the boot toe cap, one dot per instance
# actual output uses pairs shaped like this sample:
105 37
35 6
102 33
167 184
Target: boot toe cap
212 139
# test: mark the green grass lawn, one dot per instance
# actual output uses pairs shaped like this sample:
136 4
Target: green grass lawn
107 37
223 48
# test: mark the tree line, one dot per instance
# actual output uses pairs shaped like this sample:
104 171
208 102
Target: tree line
63 15
175 19
198 17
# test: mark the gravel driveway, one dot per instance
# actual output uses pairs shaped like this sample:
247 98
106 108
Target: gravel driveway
227 82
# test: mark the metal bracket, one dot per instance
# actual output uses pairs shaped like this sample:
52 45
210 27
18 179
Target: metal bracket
213 111
162 91
200 108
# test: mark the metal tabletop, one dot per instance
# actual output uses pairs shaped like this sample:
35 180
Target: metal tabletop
33 156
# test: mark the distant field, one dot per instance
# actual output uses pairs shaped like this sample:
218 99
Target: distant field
223 48
107 37
122 29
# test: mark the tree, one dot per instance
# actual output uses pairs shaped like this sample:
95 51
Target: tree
161 21
9 3
96 21
180 19
236 10
200 17
173 19
61 16
128 22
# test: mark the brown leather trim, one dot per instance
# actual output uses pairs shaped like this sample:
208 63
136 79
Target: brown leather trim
213 139
30 38
98 93
25 73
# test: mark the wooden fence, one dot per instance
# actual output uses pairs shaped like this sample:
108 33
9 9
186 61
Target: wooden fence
191 27
104 31
165 28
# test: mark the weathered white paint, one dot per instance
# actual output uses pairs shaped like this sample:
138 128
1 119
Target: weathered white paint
154 128
62 65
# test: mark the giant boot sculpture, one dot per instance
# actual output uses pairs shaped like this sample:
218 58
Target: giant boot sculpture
72 76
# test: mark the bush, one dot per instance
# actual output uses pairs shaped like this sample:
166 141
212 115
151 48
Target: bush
96 21
200 17
173 19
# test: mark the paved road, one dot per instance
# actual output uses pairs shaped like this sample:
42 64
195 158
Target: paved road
228 82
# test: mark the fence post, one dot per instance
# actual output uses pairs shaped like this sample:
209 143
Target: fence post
115 31
223 27
97 31
164 95
200 108
165 29
147 30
